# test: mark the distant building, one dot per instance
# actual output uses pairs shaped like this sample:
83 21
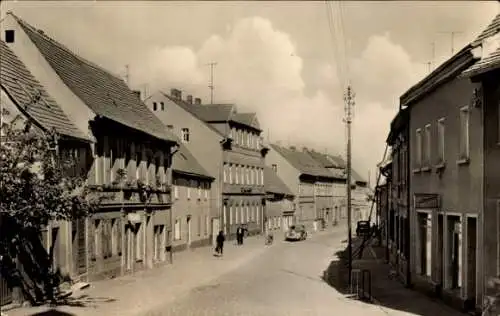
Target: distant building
232 152
279 207
308 180
191 202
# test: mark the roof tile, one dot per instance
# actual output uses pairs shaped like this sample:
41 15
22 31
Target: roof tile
185 162
274 184
104 93
24 88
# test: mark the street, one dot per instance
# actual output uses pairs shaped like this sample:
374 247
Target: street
283 281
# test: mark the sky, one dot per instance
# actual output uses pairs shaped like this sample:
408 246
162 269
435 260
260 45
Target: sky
279 59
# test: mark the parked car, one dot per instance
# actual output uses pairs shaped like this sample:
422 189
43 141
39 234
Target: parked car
296 233
363 228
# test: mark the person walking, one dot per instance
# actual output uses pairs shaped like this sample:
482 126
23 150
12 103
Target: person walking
239 235
220 243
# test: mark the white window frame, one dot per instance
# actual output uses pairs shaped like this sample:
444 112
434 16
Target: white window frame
418 152
441 132
231 217
224 167
207 189
428 144
258 212
261 176
176 191
464 152
242 174
242 214
247 213
231 173
188 191
236 174
177 229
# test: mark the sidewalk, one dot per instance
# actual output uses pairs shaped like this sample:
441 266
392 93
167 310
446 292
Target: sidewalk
138 293
390 295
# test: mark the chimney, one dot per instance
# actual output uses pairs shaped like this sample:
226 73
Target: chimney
293 148
176 94
137 93
189 99
197 101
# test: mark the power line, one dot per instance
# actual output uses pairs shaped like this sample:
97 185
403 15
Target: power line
211 83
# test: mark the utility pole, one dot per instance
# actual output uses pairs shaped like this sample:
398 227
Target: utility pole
349 104
211 83
452 37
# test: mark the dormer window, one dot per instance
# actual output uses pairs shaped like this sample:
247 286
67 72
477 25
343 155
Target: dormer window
185 135
275 167
155 106
162 106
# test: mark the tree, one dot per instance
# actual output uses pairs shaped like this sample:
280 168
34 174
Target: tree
35 188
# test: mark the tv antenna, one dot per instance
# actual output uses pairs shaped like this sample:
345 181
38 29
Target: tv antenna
211 83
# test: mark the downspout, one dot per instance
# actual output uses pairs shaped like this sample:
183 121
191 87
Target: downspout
408 201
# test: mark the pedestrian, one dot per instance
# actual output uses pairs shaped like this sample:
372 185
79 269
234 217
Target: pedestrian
239 235
220 243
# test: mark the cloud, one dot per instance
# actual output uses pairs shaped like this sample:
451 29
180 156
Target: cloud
258 69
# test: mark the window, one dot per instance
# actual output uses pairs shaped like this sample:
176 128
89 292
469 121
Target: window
188 189
155 106
247 172
242 217
162 106
418 147
427 148
176 191
225 173
261 176
199 191
231 174
207 224
185 135
236 215
252 175
440 140
236 174
464 133
177 229
275 167
242 174
9 36
247 213
257 215
207 188
231 215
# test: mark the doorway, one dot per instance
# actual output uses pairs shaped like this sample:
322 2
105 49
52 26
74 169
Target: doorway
471 257
188 224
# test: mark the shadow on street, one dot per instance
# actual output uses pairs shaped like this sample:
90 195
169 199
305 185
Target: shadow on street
385 292
52 312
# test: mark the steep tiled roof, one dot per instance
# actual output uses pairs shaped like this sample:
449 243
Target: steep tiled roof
302 161
334 168
104 93
184 162
274 184
213 112
24 88
191 108
490 30
491 61
249 119
338 161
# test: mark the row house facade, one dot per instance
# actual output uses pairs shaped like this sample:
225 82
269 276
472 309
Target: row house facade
128 159
279 207
397 211
190 202
486 72
453 171
335 198
23 98
228 145
310 183
360 190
